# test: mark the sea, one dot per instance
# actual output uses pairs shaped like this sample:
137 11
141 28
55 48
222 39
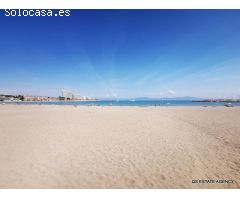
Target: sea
141 103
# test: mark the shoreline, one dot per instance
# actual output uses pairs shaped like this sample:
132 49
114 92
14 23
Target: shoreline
114 104
128 106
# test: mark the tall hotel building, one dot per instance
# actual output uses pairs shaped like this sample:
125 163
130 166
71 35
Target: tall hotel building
67 94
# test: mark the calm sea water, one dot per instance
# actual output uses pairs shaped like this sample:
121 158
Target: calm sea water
131 103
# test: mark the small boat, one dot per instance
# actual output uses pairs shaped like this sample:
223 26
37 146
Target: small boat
228 105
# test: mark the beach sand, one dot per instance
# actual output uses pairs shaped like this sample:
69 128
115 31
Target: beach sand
118 147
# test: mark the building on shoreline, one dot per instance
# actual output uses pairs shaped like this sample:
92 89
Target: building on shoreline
8 98
40 98
68 95
17 98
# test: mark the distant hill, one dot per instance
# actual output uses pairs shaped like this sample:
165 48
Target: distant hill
167 98
152 99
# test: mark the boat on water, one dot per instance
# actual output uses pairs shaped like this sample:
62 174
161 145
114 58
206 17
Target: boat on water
228 105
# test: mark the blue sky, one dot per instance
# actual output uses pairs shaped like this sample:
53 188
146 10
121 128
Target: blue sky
117 53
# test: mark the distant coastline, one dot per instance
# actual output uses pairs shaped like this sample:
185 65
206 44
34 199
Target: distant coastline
66 96
75 99
218 100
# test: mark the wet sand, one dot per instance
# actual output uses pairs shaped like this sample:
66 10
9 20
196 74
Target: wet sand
119 147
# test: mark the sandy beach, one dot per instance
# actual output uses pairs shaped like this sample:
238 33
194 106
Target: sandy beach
119 147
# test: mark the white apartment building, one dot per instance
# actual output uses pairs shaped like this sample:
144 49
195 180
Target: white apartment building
67 94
